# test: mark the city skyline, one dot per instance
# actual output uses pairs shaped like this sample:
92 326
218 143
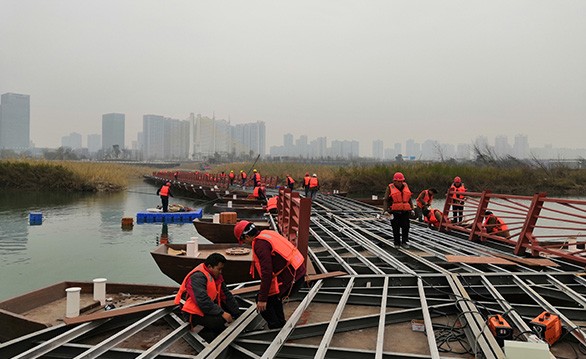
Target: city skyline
449 70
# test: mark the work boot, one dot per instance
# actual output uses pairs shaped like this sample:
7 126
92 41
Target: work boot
405 245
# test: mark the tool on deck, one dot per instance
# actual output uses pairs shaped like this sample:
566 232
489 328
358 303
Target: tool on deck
547 326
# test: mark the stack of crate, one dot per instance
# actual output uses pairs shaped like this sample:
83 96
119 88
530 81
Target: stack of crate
228 217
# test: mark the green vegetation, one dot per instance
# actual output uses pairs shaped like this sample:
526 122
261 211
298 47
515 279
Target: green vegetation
67 176
363 180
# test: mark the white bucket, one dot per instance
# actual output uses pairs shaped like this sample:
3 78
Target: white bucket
192 247
100 290
229 204
216 218
234 196
374 197
227 192
72 309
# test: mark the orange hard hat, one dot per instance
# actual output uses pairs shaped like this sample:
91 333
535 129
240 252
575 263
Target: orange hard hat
239 230
457 179
398 176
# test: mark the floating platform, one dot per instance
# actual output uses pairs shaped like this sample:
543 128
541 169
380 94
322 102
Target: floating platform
168 217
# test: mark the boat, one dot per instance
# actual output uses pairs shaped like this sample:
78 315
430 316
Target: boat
175 264
221 232
246 201
242 209
45 307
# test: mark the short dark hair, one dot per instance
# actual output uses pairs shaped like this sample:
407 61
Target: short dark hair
214 259
433 190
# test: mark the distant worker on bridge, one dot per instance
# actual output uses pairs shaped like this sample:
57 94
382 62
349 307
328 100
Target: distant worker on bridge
206 299
458 200
290 182
260 192
424 200
313 186
399 204
433 217
306 180
281 268
495 225
243 179
165 193
231 177
256 178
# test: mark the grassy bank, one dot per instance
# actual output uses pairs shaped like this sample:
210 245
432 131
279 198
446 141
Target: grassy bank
365 180
67 176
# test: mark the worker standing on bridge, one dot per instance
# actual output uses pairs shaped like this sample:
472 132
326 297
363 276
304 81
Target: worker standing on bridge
256 178
313 186
206 299
290 182
306 180
399 204
165 193
231 177
457 200
280 265
243 179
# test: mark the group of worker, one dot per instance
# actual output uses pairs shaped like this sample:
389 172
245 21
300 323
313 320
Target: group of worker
399 205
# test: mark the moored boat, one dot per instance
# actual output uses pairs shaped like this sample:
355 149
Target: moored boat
175 264
221 232
242 209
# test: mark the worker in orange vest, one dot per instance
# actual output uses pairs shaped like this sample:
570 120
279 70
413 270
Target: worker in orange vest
424 200
313 185
231 177
243 178
290 182
306 183
256 178
495 225
399 204
281 268
206 299
457 199
165 193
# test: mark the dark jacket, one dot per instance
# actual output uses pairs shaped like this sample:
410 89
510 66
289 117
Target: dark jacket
199 292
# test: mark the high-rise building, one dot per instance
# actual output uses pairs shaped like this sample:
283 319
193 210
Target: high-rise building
113 131
15 122
501 146
377 149
94 143
250 138
521 147
73 141
153 137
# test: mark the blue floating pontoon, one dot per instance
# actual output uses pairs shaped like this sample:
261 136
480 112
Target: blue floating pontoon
168 217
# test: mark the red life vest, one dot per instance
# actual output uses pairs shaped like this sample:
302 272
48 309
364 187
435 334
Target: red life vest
499 226
313 182
272 203
426 198
243 175
164 191
257 191
455 189
282 247
290 180
431 219
213 289
306 180
231 175
257 177
400 198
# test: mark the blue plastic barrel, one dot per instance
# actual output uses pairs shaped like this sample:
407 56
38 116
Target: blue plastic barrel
35 218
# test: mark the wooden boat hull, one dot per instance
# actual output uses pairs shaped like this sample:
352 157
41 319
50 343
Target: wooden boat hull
177 267
220 232
245 201
45 307
242 210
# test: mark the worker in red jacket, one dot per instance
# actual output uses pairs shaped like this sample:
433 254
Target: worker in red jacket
281 267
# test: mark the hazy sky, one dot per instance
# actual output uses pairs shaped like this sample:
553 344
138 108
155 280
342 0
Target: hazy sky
363 70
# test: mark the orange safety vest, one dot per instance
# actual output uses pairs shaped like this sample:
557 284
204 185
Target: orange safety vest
257 177
243 175
400 198
500 225
256 192
431 219
213 289
306 180
231 175
426 198
313 182
282 247
290 180
164 191
272 203
455 189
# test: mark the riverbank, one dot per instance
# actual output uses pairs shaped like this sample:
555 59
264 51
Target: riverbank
365 180
67 176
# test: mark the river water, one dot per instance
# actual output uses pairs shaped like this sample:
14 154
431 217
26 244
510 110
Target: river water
81 238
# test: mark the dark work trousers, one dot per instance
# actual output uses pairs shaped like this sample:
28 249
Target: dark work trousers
165 202
400 224
419 213
213 325
458 211
291 185
306 191
313 192
274 314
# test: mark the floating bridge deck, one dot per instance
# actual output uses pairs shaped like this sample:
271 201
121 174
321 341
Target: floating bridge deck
368 312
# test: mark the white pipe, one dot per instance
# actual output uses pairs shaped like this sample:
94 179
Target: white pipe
216 218
72 309
192 247
229 204
100 290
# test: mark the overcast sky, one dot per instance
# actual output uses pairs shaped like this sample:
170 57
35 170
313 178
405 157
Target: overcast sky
363 70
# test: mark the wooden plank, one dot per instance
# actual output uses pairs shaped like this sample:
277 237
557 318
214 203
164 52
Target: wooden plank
479 260
534 262
170 303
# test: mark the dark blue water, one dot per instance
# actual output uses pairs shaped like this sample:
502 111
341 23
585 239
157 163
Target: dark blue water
81 238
